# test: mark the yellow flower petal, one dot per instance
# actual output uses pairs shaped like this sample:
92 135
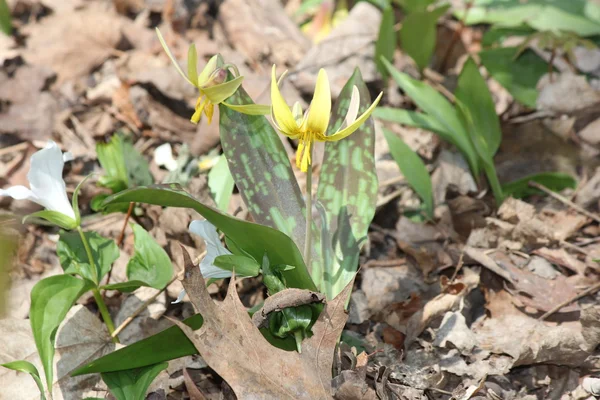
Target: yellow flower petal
320 106
352 108
217 93
297 112
354 126
209 110
173 60
249 109
208 69
193 65
200 104
282 115
303 157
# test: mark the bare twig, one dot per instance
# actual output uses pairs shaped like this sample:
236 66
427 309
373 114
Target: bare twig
14 148
564 201
565 303
122 234
284 299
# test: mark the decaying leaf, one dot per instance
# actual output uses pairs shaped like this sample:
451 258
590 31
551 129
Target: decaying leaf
231 345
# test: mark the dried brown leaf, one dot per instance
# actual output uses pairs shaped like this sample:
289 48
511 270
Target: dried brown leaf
231 345
192 389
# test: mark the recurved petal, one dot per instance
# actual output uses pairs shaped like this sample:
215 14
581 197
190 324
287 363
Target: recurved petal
353 126
352 108
282 115
19 193
320 106
217 93
208 69
193 65
173 60
46 182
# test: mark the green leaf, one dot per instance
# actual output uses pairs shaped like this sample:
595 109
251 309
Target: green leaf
497 35
132 384
411 6
472 91
262 172
347 191
418 34
164 346
241 265
520 76
26 366
412 168
220 183
253 238
386 41
74 260
411 118
436 106
579 16
555 181
54 217
5 18
150 263
125 167
51 299
126 287
483 151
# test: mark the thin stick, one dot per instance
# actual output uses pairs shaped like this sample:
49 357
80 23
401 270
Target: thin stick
564 201
586 292
14 148
122 234
141 308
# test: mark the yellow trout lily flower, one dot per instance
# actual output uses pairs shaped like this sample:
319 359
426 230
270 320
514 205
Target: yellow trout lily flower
211 83
312 126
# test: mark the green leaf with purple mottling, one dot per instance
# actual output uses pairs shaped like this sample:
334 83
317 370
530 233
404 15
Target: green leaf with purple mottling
262 172
347 190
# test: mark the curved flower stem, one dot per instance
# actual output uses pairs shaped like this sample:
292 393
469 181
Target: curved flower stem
308 233
99 301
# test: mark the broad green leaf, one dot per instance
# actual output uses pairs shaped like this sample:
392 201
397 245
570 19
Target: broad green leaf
164 346
386 41
150 263
241 265
579 16
26 366
132 384
53 217
347 190
483 151
51 299
411 118
262 172
497 35
74 259
411 6
253 238
472 91
555 181
519 76
220 183
436 106
5 18
418 34
412 168
126 287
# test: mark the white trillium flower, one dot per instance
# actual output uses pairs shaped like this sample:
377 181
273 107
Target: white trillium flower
46 185
214 248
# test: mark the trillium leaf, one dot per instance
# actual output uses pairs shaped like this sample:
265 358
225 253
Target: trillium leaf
241 265
74 259
26 366
132 384
51 299
412 168
555 181
262 172
150 262
126 287
253 238
347 190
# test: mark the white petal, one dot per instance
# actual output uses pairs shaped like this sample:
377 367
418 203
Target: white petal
214 248
19 193
46 182
68 156
163 156
352 108
179 298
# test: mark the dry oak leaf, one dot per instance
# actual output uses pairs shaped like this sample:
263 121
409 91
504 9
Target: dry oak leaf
231 345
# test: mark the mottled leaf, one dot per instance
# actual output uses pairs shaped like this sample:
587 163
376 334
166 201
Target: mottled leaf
347 190
220 183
